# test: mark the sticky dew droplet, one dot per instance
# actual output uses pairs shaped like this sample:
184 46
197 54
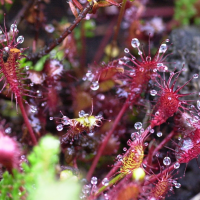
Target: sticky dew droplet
105 182
95 85
195 76
49 28
13 27
176 165
8 130
124 149
138 125
20 39
177 185
134 135
153 92
163 48
146 144
148 58
157 113
151 131
159 134
126 50
167 161
59 127
65 120
94 180
33 109
81 113
139 53
135 43
119 157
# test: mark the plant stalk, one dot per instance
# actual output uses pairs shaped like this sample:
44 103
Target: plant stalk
26 120
106 139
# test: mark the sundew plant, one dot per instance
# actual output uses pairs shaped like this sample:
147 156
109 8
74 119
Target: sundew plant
93 104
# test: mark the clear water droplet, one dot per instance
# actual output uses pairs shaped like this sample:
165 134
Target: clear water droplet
159 134
20 39
129 142
135 43
134 135
6 49
105 181
89 75
94 85
138 125
43 104
27 67
59 127
148 58
196 76
50 118
146 144
31 84
81 113
161 67
8 130
177 185
144 165
121 62
163 48
169 98
0 31
176 165
139 53
106 197
33 109
167 40
195 118
167 161
124 149
153 92
126 50
101 97
65 120
119 157
86 189
49 28
94 180
13 27
151 131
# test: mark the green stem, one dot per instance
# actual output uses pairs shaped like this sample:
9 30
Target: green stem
112 182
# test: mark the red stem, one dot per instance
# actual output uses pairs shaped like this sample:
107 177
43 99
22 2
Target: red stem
26 120
83 46
106 139
166 139
104 42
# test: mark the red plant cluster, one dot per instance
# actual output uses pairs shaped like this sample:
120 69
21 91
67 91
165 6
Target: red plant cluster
137 105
